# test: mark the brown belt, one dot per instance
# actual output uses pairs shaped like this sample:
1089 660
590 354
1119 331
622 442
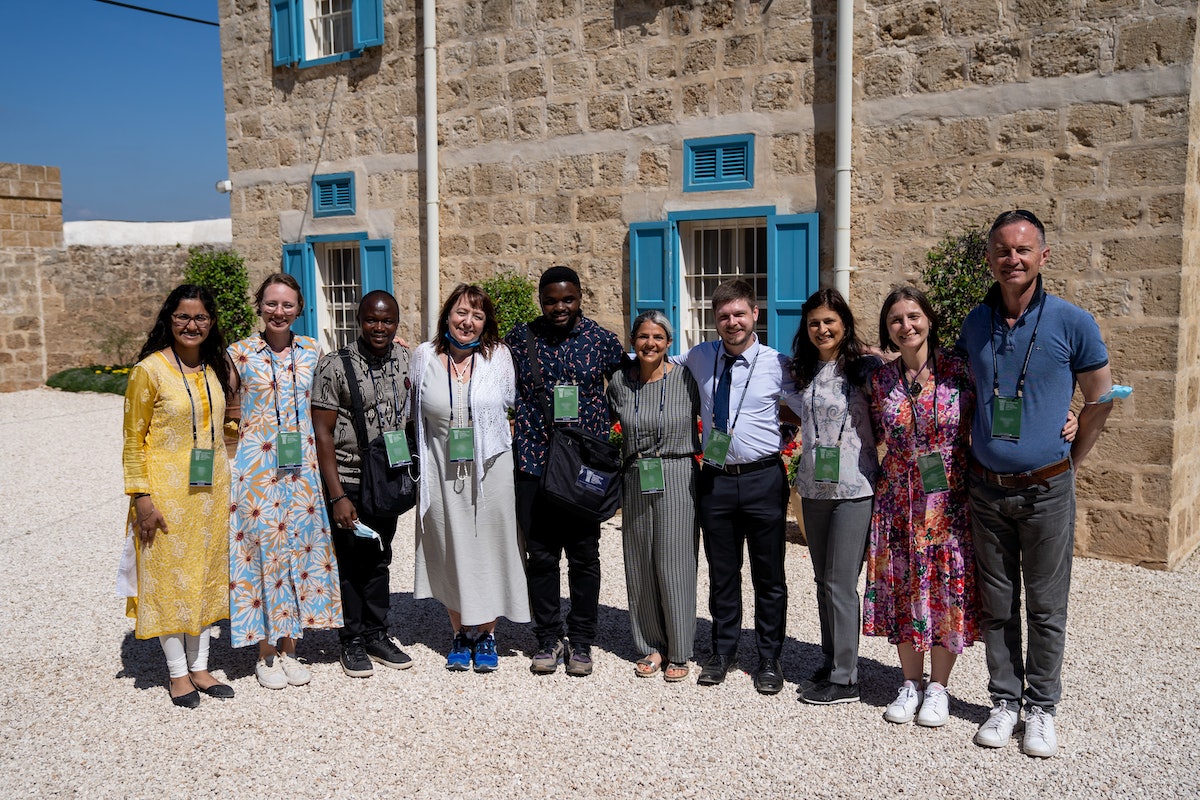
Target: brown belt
1020 480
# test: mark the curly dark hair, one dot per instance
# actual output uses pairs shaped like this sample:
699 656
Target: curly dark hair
805 358
476 298
212 349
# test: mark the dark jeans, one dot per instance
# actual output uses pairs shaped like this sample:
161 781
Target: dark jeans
747 508
548 530
1024 535
364 574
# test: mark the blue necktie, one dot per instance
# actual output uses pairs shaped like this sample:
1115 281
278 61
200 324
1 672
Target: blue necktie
721 397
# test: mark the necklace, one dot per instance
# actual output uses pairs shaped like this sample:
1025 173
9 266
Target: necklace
460 376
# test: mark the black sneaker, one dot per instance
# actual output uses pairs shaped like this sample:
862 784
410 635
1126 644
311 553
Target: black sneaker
384 650
826 693
580 663
354 659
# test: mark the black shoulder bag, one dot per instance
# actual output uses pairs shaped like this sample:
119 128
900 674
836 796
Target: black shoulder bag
582 471
387 491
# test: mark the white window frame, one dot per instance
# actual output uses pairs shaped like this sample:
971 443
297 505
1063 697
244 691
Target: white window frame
338 292
328 28
698 276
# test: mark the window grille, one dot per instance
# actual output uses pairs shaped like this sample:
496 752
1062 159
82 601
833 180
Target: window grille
339 274
714 252
333 27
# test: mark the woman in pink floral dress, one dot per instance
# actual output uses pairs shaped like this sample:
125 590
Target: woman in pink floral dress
920 590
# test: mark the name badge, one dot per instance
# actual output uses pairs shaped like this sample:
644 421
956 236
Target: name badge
566 403
828 464
933 473
1006 418
461 446
717 449
200 471
396 444
650 476
287 449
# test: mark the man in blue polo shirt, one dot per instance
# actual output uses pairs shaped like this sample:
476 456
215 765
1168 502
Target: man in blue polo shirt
1028 349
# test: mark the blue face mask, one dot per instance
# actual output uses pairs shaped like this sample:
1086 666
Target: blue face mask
456 343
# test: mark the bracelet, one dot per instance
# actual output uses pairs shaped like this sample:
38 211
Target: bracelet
140 495
337 500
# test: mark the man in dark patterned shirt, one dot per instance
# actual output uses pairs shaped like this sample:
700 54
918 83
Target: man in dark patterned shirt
572 350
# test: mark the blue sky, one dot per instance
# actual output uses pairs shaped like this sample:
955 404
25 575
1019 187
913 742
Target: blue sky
128 104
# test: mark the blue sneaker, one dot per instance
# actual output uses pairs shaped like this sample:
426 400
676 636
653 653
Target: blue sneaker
486 658
459 659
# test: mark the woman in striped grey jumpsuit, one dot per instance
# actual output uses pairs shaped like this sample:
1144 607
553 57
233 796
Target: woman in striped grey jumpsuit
657 404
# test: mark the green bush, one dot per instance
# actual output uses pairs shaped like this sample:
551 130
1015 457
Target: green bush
223 272
957 277
91 379
512 295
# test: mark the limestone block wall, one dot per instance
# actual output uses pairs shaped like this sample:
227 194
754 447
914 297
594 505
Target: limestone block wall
562 121
1079 112
31 242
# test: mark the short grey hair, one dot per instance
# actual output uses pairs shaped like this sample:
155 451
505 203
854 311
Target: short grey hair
655 316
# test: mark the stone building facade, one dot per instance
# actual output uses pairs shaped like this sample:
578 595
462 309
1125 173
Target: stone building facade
79 293
566 130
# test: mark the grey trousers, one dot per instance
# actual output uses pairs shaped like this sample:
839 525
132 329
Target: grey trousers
1024 535
837 533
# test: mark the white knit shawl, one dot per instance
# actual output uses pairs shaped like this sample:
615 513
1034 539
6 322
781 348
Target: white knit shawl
493 392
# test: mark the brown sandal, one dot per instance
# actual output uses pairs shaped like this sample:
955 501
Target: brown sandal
646 666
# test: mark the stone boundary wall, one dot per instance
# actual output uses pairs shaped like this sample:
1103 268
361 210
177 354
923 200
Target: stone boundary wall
31 242
561 122
84 292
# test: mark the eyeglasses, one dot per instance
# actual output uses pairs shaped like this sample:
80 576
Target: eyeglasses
201 320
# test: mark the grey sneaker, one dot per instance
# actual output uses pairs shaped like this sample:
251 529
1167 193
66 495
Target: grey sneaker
549 655
580 663
999 726
1039 740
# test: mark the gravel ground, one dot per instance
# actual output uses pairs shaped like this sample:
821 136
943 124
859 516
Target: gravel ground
84 711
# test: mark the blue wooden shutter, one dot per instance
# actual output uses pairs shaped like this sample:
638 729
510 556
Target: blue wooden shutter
285 31
368 23
301 264
652 282
376 264
791 274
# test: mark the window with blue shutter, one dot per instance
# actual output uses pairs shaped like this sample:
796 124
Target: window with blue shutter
333 195
324 31
662 277
334 272
721 162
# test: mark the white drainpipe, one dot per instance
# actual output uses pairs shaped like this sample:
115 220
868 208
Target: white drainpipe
845 104
432 241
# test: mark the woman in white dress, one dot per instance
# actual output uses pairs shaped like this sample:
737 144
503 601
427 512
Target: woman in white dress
468 555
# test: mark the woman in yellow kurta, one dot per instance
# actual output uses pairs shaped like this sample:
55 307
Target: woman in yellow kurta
177 477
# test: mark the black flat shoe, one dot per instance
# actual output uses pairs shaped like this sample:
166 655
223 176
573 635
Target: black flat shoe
221 691
769 678
189 700
715 669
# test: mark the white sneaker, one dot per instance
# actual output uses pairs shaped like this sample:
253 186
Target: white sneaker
297 674
270 673
936 708
999 726
1039 740
905 705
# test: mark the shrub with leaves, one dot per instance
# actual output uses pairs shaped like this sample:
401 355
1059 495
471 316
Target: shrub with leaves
223 272
957 277
512 294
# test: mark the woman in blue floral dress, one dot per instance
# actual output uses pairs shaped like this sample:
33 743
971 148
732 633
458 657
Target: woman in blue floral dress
920 590
283 577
